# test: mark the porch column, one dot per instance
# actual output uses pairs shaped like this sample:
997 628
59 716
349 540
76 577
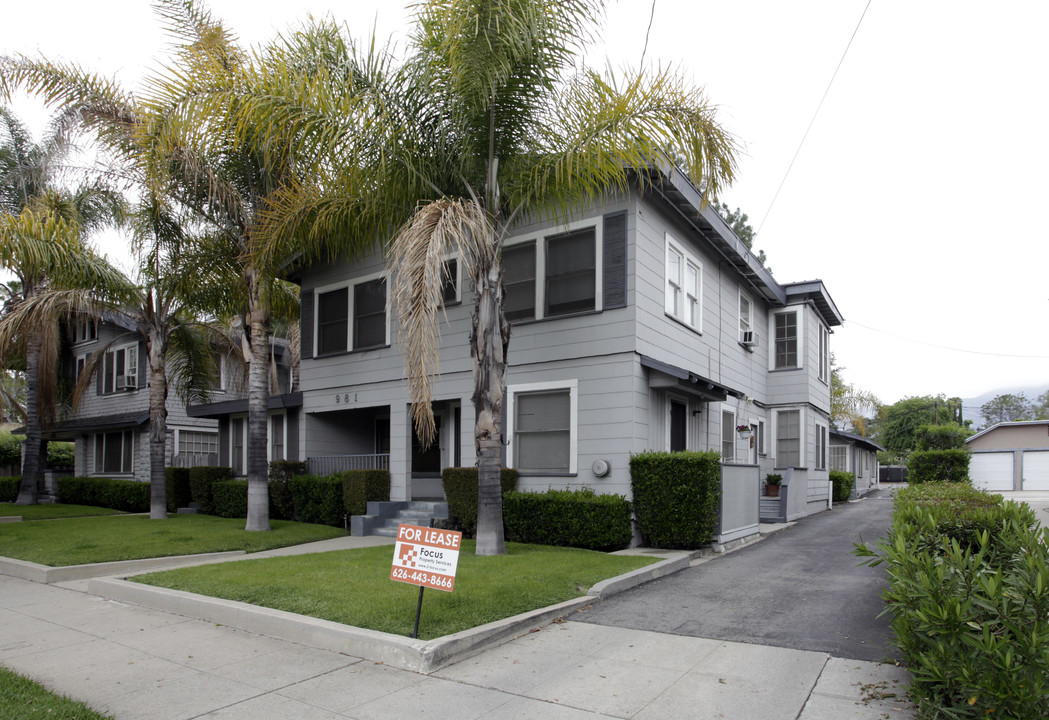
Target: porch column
400 452
467 446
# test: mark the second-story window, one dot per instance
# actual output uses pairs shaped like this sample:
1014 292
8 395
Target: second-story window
746 330
333 310
824 350
552 276
352 317
369 314
120 369
684 285
570 279
786 340
85 331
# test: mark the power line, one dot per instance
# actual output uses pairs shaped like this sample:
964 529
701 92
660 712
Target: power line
813 120
947 347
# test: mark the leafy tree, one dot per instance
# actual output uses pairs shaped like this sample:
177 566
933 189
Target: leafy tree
1041 406
850 407
898 423
1007 408
180 137
488 121
739 221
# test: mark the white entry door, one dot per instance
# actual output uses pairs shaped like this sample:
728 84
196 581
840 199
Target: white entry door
992 471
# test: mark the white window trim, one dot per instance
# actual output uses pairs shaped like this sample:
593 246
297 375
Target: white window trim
750 314
774 450
760 446
687 259
731 409
269 434
80 334
78 366
512 391
349 285
244 449
824 440
800 314
539 238
458 276
127 371
94 456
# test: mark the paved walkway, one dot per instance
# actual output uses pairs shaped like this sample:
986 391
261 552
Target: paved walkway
801 588
133 662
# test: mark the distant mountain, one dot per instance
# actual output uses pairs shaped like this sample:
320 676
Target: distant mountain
971 406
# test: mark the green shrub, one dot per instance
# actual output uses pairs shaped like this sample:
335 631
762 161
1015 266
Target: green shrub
230 498
360 487
10 450
318 499
773 479
569 518
460 490
200 481
176 485
61 454
969 600
676 497
938 466
126 495
282 505
9 488
941 437
843 484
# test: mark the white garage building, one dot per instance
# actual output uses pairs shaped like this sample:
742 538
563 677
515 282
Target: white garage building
1011 456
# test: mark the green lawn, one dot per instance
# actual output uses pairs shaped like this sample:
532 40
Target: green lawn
353 587
51 511
129 537
26 700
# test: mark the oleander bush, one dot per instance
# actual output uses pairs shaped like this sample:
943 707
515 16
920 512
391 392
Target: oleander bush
843 483
460 490
318 499
569 518
969 600
926 466
676 497
118 494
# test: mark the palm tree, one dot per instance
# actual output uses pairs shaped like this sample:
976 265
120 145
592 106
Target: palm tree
41 222
486 122
179 143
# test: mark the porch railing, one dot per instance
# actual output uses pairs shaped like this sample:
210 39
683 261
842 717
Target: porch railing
191 460
328 464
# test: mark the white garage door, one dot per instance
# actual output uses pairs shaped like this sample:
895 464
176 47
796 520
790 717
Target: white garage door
992 471
1036 470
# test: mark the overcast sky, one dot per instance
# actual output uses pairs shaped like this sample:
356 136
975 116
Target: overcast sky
917 196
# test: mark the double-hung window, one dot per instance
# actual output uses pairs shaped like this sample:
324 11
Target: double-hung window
85 331
746 330
554 275
199 443
352 317
786 340
114 452
120 369
824 353
543 427
238 442
839 457
277 437
728 436
684 285
821 447
788 438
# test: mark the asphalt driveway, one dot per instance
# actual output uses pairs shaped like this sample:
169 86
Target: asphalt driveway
800 588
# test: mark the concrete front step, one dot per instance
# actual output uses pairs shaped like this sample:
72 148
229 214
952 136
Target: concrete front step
384 517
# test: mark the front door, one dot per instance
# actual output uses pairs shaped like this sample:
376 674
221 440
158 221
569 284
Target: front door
678 426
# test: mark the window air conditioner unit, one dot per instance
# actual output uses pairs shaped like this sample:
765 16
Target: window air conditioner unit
120 382
127 382
747 338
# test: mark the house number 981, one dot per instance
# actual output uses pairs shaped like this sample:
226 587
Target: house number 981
342 398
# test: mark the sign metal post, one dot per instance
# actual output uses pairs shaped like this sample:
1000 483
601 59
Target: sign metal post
427 557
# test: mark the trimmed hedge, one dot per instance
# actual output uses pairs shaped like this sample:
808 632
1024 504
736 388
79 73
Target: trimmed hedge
200 482
360 487
318 499
176 485
61 454
969 598
941 437
9 488
460 490
10 450
126 495
282 505
569 518
230 498
938 466
676 497
843 482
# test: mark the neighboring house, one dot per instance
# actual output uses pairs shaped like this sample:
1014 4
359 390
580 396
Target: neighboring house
1011 456
641 323
857 455
229 407
110 426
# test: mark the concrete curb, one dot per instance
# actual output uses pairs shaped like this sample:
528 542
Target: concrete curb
48 575
10 518
395 650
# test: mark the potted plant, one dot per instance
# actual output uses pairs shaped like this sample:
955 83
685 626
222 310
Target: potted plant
772 483
744 431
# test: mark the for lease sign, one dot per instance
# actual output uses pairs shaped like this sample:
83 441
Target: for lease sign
426 556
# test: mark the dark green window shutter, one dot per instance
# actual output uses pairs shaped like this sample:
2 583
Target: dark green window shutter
614 242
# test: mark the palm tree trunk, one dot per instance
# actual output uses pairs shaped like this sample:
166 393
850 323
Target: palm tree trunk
158 425
258 386
31 466
489 340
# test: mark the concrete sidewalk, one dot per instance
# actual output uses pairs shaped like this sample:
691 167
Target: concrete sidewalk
133 662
